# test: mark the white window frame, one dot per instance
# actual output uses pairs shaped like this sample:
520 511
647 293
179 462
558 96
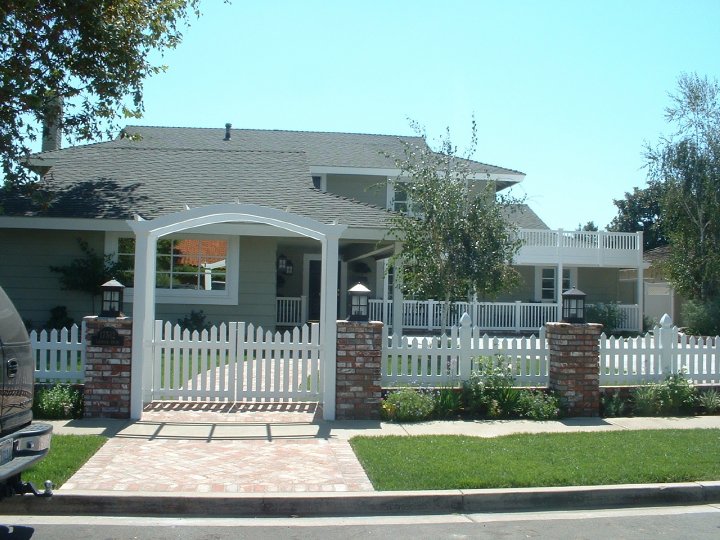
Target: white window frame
391 184
226 297
572 277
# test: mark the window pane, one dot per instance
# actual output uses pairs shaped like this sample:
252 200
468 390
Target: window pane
162 280
218 282
185 281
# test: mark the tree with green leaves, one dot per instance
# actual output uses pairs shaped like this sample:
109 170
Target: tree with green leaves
77 66
687 166
640 211
589 226
457 237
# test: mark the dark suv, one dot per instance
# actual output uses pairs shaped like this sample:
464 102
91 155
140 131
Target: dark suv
22 442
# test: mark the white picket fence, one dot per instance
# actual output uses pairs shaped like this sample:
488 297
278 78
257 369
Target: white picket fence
449 360
59 355
236 362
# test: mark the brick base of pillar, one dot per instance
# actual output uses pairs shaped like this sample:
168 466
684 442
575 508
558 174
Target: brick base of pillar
107 367
574 373
357 388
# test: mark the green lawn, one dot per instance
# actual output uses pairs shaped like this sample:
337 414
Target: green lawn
67 454
533 460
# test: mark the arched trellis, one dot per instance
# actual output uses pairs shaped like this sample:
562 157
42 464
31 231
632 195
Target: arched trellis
146 236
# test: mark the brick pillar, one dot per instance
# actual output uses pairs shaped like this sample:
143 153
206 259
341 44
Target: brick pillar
359 348
574 355
108 354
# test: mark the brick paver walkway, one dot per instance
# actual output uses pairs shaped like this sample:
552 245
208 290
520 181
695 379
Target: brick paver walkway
251 448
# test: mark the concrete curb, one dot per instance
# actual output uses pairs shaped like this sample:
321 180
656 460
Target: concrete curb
386 503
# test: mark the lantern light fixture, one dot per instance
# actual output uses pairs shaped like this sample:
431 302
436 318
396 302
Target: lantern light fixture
359 308
112 299
573 306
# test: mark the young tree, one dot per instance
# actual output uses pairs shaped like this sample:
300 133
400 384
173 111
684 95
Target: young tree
687 164
457 236
79 59
589 226
640 211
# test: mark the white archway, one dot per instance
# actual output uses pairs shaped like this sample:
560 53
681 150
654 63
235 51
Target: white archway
146 236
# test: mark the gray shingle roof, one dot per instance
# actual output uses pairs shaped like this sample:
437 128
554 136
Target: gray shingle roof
116 182
322 148
163 169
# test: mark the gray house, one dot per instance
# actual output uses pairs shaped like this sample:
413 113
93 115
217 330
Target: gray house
259 273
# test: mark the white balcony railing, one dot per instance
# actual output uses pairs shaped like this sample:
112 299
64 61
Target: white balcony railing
491 316
589 247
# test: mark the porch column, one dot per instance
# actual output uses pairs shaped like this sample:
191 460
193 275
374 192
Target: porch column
640 292
559 289
398 304
328 321
143 315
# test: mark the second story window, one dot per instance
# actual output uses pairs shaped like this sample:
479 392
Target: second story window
400 202
316 182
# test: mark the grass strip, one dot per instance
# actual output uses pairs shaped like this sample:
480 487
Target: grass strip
67 454
538 460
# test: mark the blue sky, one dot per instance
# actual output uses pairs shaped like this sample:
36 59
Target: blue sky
567 92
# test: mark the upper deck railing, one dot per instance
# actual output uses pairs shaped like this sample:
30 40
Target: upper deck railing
596 247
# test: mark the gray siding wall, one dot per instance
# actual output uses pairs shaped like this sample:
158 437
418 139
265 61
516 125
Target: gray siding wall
363 188
604 285
26 277
524 291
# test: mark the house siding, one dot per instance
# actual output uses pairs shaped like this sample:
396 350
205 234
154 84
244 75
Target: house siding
363 188
27 255
604 285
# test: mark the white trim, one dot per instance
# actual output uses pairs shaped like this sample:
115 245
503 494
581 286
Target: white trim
68 224
316 170
537 294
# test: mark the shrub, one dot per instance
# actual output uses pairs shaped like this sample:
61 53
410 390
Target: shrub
489 390
609 315
675 395
613 405
537 405
61 401
679 394
710 401
408 405
194 321
702 319
646 400
447 402
59 319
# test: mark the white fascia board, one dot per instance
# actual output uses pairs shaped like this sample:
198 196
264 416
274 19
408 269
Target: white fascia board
112 225
38 161
363 233
67 224
362 171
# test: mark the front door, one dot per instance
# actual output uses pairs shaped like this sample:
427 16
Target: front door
314 289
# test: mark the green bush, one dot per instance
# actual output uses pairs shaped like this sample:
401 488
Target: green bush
647 400
675 395
702 319
710 401
448 402
537 405
613 405
58 402
195 321
609 315
408 405
489 390
679 394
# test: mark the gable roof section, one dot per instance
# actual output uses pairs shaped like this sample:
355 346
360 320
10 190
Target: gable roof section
117 182
323 149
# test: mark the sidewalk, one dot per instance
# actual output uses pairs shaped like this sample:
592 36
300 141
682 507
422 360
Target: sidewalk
285 458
